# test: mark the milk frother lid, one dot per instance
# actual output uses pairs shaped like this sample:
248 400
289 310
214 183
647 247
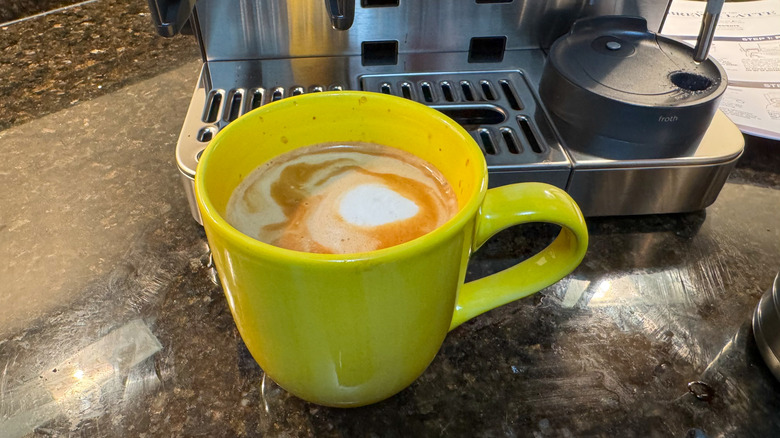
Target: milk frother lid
617 57
615 90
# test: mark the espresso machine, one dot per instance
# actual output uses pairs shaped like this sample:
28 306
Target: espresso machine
579 94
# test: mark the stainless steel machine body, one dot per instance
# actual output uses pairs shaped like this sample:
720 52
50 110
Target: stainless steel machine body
479 61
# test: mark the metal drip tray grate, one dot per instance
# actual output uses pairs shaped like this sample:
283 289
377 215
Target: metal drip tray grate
496 107
223 107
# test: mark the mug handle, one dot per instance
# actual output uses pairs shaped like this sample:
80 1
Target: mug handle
519 204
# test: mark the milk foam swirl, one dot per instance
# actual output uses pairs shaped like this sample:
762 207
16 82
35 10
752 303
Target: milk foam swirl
341 198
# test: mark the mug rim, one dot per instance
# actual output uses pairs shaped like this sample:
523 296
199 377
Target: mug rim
249 244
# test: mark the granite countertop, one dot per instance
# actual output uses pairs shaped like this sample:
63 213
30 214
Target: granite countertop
111 323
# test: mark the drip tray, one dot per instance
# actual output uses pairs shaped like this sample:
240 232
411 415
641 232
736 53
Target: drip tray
498 107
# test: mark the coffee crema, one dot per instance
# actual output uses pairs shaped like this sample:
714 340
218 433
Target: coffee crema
341 198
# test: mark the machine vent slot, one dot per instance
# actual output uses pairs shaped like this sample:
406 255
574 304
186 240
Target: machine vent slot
487 49
487 142
446 89
297 91
337 88
212 107
468 93
427 92
317 89
278 94
509 139
257 98
528 132
472 115
385 88
206 134
379 52
487 90
378 3
511 95
406 90
234 108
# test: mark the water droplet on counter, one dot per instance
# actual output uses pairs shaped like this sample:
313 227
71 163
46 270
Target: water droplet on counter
701 390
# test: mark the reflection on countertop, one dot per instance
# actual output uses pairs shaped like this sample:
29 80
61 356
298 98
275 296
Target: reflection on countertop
111 325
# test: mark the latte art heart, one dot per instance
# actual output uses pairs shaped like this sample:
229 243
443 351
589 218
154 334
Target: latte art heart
341 198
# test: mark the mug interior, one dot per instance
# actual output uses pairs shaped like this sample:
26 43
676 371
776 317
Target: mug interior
346 116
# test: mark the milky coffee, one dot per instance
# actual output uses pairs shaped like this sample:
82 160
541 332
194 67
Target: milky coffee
341 198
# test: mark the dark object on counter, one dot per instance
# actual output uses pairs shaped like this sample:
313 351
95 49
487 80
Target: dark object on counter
616 90
766 327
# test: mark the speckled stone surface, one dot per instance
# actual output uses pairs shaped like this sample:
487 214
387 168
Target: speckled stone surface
111 325
16 9
57 60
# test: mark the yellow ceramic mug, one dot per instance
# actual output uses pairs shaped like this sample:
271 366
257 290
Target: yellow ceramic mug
349 330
